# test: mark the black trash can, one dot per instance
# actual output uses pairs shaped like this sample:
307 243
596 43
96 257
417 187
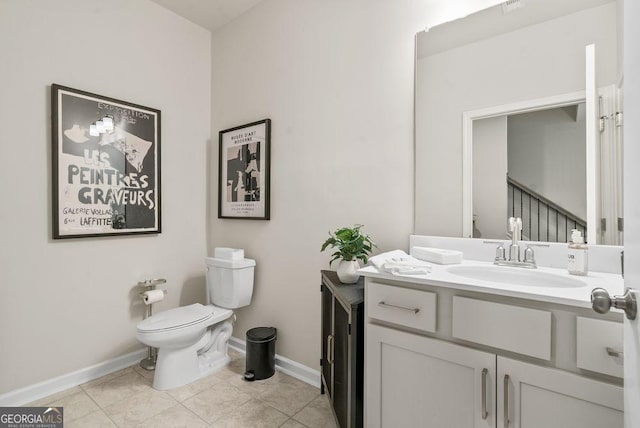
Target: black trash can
261 353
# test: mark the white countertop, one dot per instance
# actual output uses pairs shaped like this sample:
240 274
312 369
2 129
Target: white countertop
572 296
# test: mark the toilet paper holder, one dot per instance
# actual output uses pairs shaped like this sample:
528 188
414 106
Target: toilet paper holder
143 293
152 282
149 363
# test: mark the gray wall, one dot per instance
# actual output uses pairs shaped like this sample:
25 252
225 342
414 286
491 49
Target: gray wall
547 153
336 78
66 305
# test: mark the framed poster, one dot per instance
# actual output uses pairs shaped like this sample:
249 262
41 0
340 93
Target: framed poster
244 162
106 165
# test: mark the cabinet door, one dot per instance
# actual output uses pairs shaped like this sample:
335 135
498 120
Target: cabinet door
327 330
531 396
414 381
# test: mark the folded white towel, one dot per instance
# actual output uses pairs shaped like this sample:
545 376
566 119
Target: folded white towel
398 262
437 255
379 260
405 267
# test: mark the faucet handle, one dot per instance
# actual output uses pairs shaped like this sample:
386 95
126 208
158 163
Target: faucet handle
514 252
529 257
500 253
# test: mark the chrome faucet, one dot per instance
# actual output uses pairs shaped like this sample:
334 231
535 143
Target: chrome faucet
514 259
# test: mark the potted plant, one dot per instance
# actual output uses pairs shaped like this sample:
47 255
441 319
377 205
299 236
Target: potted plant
351 245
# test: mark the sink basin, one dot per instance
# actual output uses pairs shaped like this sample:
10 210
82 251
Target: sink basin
515 276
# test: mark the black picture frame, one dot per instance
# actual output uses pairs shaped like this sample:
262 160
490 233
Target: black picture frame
105 166
244 166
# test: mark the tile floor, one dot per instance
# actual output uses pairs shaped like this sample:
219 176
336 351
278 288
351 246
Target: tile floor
223 399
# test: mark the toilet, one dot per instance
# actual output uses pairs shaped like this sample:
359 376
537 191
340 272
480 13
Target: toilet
192 340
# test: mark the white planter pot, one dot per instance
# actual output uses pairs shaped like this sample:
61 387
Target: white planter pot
347 271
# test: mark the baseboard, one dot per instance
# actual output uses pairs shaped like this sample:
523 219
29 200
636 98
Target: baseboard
284 365
40 390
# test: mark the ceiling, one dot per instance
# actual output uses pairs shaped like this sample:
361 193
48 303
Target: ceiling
210 14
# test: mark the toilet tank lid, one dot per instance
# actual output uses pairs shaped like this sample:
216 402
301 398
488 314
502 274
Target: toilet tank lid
230 264
228 253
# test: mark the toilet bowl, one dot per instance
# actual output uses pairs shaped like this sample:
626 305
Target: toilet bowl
192 340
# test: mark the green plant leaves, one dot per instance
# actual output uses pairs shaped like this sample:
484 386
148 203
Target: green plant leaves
351 244
330 241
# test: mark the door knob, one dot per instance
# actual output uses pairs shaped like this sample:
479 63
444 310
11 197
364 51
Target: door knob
601 302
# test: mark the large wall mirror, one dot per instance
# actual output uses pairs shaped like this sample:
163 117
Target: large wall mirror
518 114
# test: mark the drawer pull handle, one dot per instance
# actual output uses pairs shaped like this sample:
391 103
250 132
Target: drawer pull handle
404 308
506 401
615 352
330 349
485 412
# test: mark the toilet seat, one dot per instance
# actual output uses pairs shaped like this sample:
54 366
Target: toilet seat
192 341
177 318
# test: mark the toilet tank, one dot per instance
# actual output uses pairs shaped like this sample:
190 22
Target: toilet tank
230 282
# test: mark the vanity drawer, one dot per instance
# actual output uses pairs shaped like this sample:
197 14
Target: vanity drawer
404 306
597 343
513 328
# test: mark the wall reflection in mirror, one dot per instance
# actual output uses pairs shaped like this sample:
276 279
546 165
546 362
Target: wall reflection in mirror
516 116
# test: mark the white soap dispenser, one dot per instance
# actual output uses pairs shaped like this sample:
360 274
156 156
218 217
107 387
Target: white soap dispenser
577 262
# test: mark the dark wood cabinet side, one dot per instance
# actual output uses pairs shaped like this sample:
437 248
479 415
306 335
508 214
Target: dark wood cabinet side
342 347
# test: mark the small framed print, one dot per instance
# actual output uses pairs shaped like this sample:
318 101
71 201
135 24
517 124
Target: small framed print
106 165
244 163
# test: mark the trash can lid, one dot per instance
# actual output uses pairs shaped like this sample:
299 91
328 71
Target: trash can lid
261 334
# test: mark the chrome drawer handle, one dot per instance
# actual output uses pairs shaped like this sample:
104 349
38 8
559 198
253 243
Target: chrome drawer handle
330 349
506 401
485 412
614 352
404 308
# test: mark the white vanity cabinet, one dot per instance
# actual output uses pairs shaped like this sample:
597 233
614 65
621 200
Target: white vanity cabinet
416 381
442 358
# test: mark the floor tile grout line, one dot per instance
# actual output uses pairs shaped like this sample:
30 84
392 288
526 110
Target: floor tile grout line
298 412
92 399
272 407
222 416
307 405
193 413
109 417
53 404
95 383
100 383
227 380
150 417
118 401
100 409
296 421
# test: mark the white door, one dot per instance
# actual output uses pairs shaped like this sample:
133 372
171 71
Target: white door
414 381
632 206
